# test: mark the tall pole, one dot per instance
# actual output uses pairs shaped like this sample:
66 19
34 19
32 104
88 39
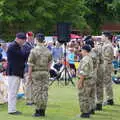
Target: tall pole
65 54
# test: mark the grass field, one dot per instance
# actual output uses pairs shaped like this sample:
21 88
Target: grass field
63 105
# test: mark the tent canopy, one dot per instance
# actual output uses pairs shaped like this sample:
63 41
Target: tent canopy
72 36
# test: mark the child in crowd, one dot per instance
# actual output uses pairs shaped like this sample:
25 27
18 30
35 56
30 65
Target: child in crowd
71 60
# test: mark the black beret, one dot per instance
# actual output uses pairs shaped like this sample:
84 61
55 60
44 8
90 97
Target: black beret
88 38
87 48
107 33
21 35
90 42
40 37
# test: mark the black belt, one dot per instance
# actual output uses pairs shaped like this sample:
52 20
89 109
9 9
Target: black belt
87 78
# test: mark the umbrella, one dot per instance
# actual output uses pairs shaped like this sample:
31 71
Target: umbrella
74 36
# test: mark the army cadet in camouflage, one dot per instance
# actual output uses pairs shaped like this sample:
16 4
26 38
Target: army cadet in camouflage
100 76
38 62
85 74
94 56
108 56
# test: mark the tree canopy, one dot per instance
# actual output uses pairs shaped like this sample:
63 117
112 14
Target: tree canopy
43 15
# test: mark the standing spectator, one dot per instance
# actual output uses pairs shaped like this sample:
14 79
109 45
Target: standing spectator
29 43
28 85
16 65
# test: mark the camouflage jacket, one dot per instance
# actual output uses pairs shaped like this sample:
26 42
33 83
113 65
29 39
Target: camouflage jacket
107 52
99 53
39 58
86 67
95 58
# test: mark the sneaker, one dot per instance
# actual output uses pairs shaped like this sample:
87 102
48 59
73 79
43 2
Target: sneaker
15 113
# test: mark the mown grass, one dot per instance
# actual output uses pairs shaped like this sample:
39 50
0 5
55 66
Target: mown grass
63 105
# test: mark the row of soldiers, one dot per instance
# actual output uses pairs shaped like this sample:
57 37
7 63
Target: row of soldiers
95 63
95 75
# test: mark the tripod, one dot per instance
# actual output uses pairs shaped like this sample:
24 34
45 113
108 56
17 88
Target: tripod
69 79
64 72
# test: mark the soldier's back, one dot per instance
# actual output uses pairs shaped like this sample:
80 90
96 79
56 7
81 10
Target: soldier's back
94 56
108 52
42 57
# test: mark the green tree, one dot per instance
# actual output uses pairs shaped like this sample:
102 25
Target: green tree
101 11
36 15
1 4
116 8
43 15
24 15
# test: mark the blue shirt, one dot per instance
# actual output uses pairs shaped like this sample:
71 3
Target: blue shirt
71 57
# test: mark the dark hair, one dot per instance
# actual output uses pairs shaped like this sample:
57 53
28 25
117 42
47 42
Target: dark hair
87 48
108 35
40 37
88 38
90 42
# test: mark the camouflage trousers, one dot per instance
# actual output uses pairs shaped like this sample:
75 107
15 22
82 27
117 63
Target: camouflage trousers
40 81
93 94
86 95
108 82
99 84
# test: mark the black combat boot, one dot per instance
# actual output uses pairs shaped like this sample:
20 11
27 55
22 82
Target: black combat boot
85 115
110 102
42 112
92 112
37 113
99 107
